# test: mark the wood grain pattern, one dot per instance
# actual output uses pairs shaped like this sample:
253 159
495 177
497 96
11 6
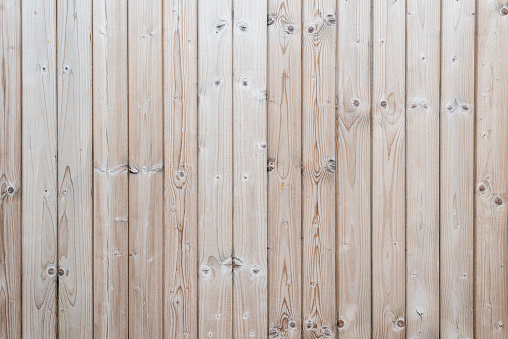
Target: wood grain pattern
250 307
74 85
215 186
146 262
457 168
39 169
491 238
422 167
110 178
180 169
10 170
388 190
354 156
318 184
284 168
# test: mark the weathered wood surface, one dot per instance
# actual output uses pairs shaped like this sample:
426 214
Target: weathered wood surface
284 168
422 168
238 169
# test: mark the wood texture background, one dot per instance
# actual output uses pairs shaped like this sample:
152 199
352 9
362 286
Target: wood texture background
254 169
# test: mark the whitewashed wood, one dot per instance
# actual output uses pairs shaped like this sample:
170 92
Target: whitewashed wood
39 169
388 176
10 170
284 168
110 179
457 168
353 190
215 164
74 109
318 187
491 237
180 169
422 167
146 262
250 307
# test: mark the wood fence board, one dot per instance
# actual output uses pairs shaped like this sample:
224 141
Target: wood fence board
457 168
284 168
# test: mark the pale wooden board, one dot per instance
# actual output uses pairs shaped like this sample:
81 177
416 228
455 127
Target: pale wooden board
388 170
284 169
146 261
39 169
110 161
319 165
74 109
250 307
180 169
354 157
457 168
215 163
10 170
491 237
423 61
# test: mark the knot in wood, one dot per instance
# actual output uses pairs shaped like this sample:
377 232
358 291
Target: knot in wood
274 332
384 104
309 325
270 19
217 82
504 11
340 323
255 270
245 82
356 103
243 27
10 190
311 29
498 201
61 272
51 271
205 270
290 29
330 19
292 324
400 323
330 165
326 332
219 26
271 165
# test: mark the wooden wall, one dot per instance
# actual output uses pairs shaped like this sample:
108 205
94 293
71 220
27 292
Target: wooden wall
253 169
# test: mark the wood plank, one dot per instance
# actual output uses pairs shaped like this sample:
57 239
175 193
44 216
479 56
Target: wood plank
39 169
215 186
491 259
180 169
284 168
74 85
146 169
250 307
353 192
110 179
10 170
388 190
422 167
457 168
318 145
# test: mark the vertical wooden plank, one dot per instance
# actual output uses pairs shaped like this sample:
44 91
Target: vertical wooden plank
491 292
318 145
10 170
422 167
111 190
388 190
39 169
180 168
250 308
457 168
354 170
74 85
215 186
284 168
146 169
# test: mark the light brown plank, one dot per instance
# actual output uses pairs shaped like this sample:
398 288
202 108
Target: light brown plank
388 176
457 168
10 170
491 238
354 158
422 167
74 93
180 169
146 127
318 145
250 308
39 169
215 186
110 179
284 168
